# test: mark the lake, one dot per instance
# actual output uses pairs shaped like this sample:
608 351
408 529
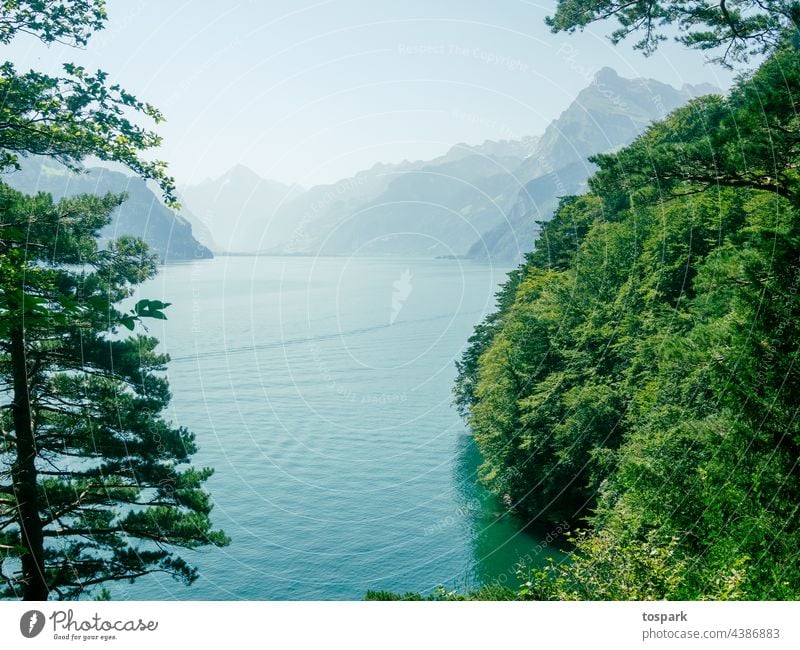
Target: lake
320 391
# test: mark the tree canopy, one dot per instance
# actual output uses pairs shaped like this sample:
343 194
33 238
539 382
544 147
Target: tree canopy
71 22
639 378
96 479
737 29
97 487
78 114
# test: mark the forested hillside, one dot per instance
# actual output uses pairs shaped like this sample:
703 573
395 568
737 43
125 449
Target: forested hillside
640 379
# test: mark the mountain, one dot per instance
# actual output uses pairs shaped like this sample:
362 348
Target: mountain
511 238
239 209
142 215
429 208
200 230
438 208
480 201
605 116
318 212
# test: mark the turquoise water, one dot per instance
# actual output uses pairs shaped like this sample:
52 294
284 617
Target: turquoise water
320 391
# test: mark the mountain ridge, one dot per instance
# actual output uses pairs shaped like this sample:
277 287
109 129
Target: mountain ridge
143 214
476 200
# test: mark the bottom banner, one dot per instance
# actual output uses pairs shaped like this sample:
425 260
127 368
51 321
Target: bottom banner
133 624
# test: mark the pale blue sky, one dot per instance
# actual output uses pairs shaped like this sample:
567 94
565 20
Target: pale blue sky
310 92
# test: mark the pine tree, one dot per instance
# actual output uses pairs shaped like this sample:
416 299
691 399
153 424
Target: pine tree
98 486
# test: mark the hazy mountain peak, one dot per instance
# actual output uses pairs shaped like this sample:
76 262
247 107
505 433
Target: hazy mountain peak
698 90
495 149
606 75
606 115
237 208
240 169
244 176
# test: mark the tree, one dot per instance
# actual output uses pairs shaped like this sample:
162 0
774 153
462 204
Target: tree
69 21
76 115
467 365
750 139
740 27
95 489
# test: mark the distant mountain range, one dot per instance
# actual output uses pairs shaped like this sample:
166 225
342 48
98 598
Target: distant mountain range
143 214
477 201
480 201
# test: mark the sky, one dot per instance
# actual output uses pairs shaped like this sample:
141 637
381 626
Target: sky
310 92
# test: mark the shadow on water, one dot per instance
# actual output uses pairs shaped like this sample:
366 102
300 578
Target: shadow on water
500 540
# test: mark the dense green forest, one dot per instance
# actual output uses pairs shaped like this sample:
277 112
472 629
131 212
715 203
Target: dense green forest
639 376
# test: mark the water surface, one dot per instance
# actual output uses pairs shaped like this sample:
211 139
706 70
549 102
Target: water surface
320 391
